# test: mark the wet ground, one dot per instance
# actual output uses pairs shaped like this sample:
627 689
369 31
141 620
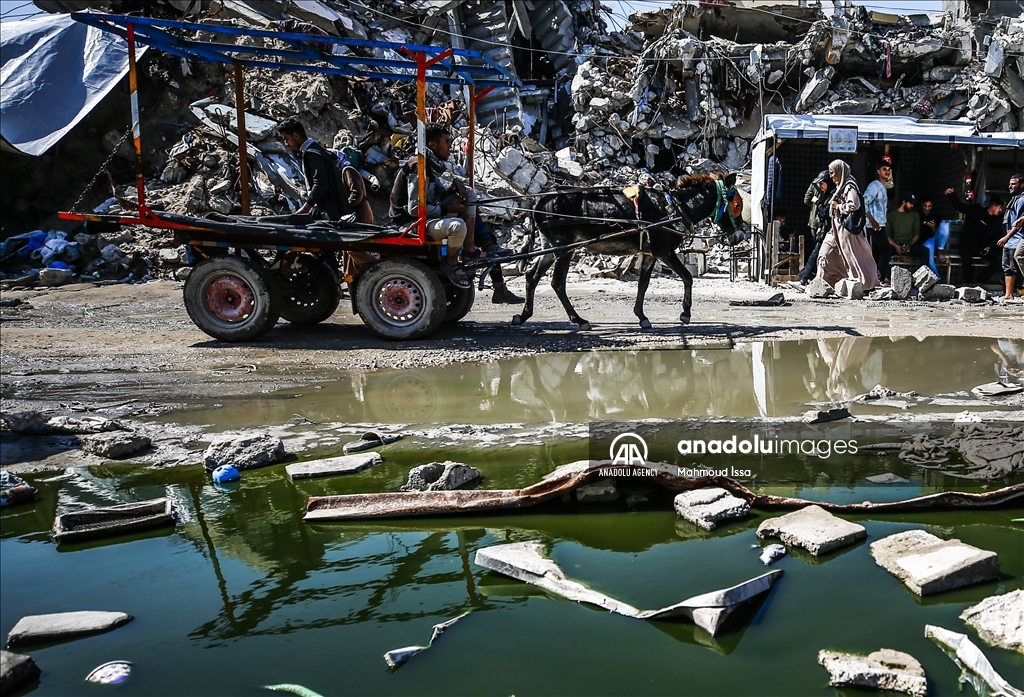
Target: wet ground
243 593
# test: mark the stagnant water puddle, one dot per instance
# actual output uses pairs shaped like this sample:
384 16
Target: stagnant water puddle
243 593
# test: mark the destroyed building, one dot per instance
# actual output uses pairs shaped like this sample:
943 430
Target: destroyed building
680 90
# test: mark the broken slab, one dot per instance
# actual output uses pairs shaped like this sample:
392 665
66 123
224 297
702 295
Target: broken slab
970 294
244 451
116 444
969 658
927 564
940 291
440 476
901 282
882 294
708 507
814 529
397 657
35 629
850 289
887 478
16 671
884 669
814 416
999 620
331 466
925 278
524 561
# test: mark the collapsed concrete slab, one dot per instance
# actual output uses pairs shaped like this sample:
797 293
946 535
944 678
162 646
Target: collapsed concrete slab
16 671
968 657
999 620
928 564
885 669
814 529
708 508
35 629
331 466
524 561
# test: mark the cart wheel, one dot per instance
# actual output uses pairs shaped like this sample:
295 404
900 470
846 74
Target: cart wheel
230 299
400 299
309 296
460 302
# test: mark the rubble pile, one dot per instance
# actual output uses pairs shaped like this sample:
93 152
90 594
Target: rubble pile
680 91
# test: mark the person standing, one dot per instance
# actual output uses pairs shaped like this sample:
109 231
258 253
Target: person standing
817 196
326 196
876 208
1014 223
982 228
844 252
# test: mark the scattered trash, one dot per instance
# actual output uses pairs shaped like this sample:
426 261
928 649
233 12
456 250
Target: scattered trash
777 300
124 519
112 673
976 668
525 562
997 389
294 689
398 657
370 440
14 490
225 473
772 553
989 451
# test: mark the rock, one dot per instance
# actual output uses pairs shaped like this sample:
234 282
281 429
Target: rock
35 629
345 464
510 160
999 620
708 507
16 670
970 294
901 282
772 553
819 417
882 294
440 476
887 478
928 564
601 491
115 445
814 529
818 288
244 452
221 204
940 291
850 289
38 424
182 273
885 669
55 277
924 279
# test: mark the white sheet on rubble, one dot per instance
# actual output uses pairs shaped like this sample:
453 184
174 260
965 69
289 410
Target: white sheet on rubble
54 72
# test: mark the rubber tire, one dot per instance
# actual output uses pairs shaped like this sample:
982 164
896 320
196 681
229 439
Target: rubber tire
460 302
412 282
309 297
240 273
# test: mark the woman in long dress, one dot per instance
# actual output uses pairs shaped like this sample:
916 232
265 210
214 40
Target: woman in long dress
845 254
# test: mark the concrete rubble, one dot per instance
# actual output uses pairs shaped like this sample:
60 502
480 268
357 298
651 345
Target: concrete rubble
331 466
36 629
999 620
679 91
245 451
16 670
969 658
986 451
884 669
525 561
928 564
440 476
709 507
814 529
115 445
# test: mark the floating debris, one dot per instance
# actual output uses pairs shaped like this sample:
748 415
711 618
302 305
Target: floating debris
112 673
398 657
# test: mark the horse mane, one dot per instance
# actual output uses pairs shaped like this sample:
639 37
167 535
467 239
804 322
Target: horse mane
697 180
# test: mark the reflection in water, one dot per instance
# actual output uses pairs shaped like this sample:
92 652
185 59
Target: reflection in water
766 379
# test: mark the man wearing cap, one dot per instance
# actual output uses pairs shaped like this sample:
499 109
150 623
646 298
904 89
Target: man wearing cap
1014 221
876 207
903 233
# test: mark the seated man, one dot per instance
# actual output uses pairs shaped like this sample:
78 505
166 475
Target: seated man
451 210
982 228
903 234
326 197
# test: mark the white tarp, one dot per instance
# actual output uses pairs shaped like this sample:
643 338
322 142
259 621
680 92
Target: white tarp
892 128
53 72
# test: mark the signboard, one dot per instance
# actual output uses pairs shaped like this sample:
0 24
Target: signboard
842 139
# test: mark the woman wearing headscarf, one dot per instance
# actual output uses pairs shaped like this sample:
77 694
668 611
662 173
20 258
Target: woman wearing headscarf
845 254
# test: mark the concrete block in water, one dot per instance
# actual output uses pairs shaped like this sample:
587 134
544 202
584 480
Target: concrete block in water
344 464
710 506
16 670
881 670
999 620
34 629
928 564
244 452
814 529
440 476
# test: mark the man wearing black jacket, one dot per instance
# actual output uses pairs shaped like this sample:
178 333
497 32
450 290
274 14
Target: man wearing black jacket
982 228
327 197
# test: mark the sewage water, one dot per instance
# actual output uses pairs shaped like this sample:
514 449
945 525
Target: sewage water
243 593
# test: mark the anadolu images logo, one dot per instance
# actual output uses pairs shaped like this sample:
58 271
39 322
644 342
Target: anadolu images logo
632 451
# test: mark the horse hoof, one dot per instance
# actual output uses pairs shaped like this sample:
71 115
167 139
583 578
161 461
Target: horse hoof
684 318
584 326
645 324
517 321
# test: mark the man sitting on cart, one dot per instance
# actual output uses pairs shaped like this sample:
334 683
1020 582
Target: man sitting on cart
451 207
326 197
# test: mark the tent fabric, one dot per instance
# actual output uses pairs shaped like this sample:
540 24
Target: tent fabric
53 72
894 128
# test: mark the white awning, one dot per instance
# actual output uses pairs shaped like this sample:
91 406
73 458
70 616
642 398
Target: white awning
888 128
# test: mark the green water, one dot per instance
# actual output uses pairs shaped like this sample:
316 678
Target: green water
243 593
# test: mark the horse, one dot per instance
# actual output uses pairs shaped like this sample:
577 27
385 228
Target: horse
618 223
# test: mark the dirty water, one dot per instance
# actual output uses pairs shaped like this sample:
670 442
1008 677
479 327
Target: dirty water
243 593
